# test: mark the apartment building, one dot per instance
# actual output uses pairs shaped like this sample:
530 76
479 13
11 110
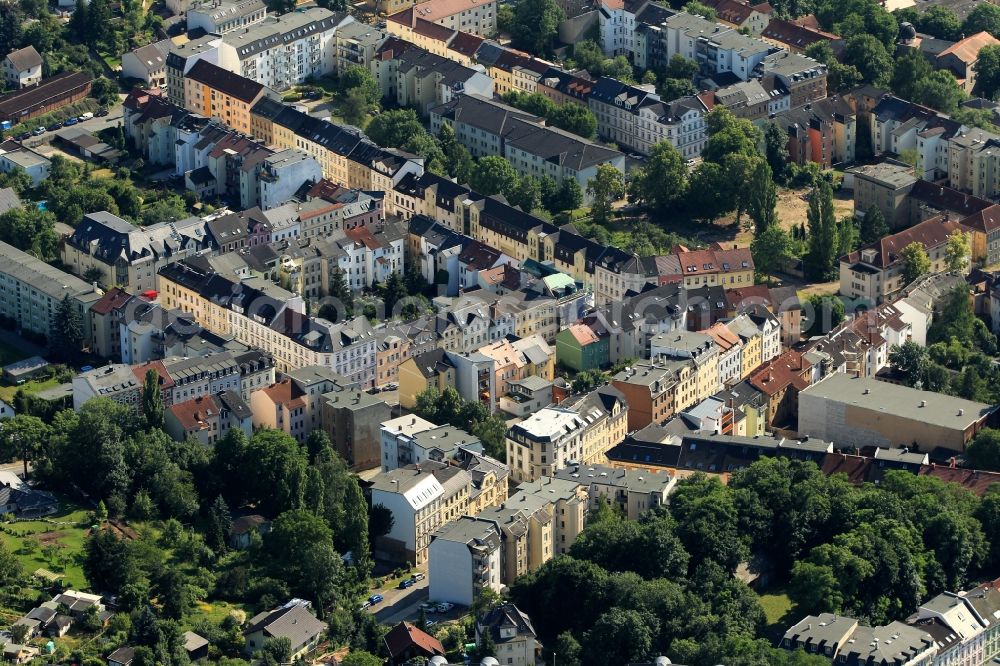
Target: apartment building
715 266
472 16
148 64
803 77
737 14
411 440
421 499
353 420
207 419
656 390
215 92
581 430
220 17
415 77
875 271
898 125
115 382
703 353
568 505
126 255
631 492
281 52
181 58
823 131
512 633
636 118
465 558
32 291
795 35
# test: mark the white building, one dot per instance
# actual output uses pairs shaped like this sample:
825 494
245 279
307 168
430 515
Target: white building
284 51
148 64
464 558
22 68
413 497
220 18
280 176
16 157
396 439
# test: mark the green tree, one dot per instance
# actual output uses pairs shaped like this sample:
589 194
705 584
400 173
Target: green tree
915 262
23 436
866 53
108 562
910 72
152 402
873 226
776 149
671 89
355 107
700 9
300 550
910 360
357 77
771 251
574 118
983 17
394 128
661 182
587 54
827 314
957 251
987 68
939 21
763 199
983 451
66 337
220 522
619 636
605 188
536 25
494 175
619 68
824 244
360 658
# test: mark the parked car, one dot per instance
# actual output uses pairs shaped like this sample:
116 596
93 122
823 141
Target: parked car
70 121
406 584
418 576
445 606
24 136
430 623
101 113
375 598
53 127
313 94
366 605
38 131
86 116
392 386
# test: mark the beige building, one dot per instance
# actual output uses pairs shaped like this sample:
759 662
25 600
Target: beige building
582 429
512 633
472 16
632 492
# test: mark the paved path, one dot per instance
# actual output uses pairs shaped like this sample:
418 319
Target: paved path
400 605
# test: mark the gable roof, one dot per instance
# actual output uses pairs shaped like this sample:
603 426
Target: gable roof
292 621
24 59
405 636
929 233
225 81
967 50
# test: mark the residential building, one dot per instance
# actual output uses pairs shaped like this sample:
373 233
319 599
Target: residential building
803 77
148 64
796 36
353 420
220 17
579 347
727 268
580 430
182 57
486 127
45 96
22 68
650 389
863 411
411 440
293 621
432 369
115 381
958 58
843 640
631 492
130 256
406 643
738 14
214 92
730 353
780 381
280 52
874 272
32 291
526 396
823 131
14 156
512 633
464 558
636 118
478 18
208 418
421 498
416 77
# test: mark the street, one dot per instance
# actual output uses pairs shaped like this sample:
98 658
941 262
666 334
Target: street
400 605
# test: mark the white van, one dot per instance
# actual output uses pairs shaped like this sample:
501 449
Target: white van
87 116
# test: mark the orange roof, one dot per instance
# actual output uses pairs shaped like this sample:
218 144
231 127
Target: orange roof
930 233
285 393
700 262
405 636
193 414
780 373
967 50
583 334
973 480
723 337
363 236
140 373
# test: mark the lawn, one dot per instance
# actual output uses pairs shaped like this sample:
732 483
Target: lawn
34 386
54 543
779 610
214 612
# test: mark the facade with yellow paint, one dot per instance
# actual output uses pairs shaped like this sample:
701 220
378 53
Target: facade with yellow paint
214 92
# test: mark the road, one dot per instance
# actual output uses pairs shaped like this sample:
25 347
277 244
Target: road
400 605
94 125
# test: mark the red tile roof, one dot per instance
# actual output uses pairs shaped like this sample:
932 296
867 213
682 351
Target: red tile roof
112 299
986 220
929 233
967 50
780 373
583 334
404 637
140 373
286 393
194 414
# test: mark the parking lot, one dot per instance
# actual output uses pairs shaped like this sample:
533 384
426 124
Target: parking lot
93 125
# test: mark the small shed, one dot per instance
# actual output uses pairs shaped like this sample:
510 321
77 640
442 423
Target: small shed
195 645
19 372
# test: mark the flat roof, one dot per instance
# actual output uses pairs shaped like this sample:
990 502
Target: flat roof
909 403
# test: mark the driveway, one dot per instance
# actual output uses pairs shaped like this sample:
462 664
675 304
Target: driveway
400 605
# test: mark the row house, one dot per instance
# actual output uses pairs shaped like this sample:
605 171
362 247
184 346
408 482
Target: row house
220 17
823 131
478 17
214 92
737 14
636 118
283 51
511 70
803 78
208 419
874 272
488 128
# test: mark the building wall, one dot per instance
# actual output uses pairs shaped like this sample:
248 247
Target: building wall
450 572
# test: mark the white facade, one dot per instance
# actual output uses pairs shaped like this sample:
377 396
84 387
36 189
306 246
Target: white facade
464 558
220 18
396 438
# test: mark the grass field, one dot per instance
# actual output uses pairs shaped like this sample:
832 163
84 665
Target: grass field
214 612
7 392
780 611
54 543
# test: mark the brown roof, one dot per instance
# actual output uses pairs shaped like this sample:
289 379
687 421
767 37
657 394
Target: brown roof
225 81
731 11
967 50
194 414
795 35
50 91
583 334
700 262
723 337
112 299
432 30
780 373
24 59
929 233
986 220
946 198
757 294
404 636
286 392
976 481
466 43
140 373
